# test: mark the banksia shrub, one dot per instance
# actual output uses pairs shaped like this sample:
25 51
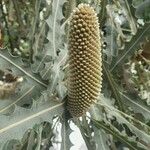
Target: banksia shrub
85 66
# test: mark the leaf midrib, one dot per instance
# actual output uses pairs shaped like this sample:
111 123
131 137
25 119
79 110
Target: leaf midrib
22 70
30 117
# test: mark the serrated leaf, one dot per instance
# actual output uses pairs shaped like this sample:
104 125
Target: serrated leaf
119 28
121 137
54 23
57 70
65 133
100 137
139 129
131 46
56 50
137 105
110 38
14 126
32 85
55 37
86 132
43 134
113 86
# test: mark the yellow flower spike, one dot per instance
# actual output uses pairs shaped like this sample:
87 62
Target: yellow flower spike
85 63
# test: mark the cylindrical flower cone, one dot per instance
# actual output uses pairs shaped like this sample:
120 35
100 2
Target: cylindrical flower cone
85 63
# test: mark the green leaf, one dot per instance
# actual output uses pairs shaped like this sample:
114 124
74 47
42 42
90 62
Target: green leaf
45 58
58 74
118 135
31 86
43 133
86 132
14 126
131 46
120 26
110 39
65 133
50 62
113 86
139 129
100 137
55 32
136 104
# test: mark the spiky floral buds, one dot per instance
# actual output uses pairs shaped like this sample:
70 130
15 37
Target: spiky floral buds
85 64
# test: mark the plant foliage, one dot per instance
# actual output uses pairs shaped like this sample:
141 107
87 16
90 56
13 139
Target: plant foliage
33 48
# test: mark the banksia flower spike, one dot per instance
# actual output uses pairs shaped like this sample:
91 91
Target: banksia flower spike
85 66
